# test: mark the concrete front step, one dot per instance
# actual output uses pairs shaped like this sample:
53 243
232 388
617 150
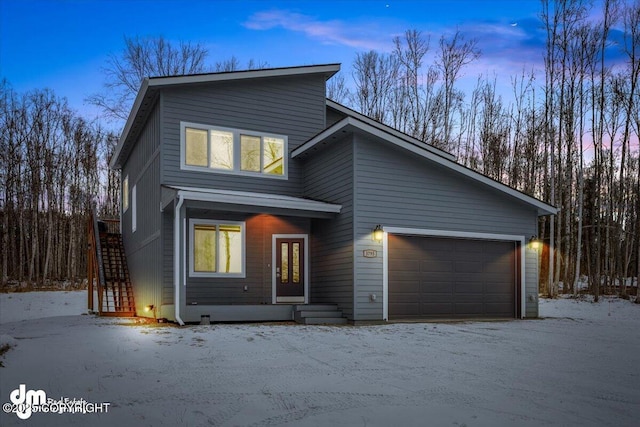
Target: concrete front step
312 313
315 307
318 314
324 321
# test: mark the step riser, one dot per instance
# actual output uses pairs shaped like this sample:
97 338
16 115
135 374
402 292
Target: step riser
325 321
315 307
319 313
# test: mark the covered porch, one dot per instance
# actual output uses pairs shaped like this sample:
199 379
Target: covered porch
236 256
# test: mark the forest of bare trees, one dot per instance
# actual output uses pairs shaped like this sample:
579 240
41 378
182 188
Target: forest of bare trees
566 133
51 173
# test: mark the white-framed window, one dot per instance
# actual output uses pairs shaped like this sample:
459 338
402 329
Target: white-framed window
134 210
125 193
227 150
216 248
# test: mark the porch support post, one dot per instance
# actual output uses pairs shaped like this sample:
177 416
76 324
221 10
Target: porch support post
177 257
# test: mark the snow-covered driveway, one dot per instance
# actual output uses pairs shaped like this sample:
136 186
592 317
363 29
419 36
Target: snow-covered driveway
578 368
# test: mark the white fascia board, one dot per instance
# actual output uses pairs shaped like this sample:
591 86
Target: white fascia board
389 129
127 127
453 234
250 74
321 137
256 199
543 208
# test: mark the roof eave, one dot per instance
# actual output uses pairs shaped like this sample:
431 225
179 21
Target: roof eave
142 93
542 208
327 69
388 129
256 199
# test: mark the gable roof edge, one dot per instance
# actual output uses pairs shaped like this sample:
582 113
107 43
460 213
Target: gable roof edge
352 113
142 92
327 69
542 207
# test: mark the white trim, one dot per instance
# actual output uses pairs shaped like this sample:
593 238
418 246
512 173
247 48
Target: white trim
134 209
256 199
236 133
330 69
177 259
142 92
125 197
305 237
351 113
198 221
421 150
449 234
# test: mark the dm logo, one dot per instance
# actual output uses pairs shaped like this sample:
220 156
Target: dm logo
25 400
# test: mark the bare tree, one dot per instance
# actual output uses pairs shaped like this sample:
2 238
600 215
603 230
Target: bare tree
233 64
375 76
144 57
409 110
453 55
631 47
337 89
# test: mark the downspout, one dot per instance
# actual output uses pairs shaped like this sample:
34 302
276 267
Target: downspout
177 258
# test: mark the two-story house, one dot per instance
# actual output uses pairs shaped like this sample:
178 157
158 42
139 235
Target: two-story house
246 194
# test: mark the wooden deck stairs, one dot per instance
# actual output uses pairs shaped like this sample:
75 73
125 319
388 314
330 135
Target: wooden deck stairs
107 270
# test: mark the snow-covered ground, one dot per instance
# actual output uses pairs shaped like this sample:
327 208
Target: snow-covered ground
577 366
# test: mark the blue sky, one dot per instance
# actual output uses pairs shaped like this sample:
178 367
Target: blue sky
63 44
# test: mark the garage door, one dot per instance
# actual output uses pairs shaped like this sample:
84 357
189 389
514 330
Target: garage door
432 277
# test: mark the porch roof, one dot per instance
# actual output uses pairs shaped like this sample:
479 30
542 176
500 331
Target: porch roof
250 199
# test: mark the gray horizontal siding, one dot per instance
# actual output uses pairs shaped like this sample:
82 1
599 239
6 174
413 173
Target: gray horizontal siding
142 168
396 188
329 177
143 247
292 106
333 117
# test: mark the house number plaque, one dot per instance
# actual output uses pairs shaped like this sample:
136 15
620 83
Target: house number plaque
370 253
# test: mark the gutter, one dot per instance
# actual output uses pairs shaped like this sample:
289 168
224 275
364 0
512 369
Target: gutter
177 258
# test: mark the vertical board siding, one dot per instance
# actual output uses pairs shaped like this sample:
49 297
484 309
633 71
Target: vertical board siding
143 247
329 177
293 106
396 188
259 229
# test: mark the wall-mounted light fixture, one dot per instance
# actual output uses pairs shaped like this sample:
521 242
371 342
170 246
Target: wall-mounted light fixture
378 233
534 243
150 308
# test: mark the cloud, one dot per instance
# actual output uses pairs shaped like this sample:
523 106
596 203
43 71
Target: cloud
363 37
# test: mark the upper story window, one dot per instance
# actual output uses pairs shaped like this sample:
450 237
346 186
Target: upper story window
217 149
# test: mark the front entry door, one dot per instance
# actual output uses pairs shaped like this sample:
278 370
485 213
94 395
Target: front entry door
290 269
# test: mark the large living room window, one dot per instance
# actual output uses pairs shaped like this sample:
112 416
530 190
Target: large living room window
217 248
216 149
